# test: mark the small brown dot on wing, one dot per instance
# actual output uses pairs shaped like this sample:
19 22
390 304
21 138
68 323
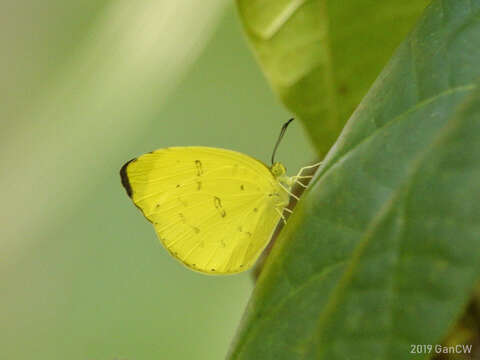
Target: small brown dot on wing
198 165
217 202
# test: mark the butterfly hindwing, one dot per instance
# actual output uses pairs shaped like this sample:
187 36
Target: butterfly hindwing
213 209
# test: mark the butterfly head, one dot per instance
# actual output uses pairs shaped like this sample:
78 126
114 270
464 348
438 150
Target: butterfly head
278 170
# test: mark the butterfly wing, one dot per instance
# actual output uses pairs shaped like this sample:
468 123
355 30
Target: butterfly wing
213 209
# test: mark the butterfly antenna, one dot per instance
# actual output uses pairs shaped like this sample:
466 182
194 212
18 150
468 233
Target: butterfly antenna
280 136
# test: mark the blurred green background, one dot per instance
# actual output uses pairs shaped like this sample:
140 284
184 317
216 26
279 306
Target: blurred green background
86 86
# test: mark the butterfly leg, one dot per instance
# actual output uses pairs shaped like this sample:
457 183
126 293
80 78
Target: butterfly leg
296 180
300 176
310 167
289 192
281 214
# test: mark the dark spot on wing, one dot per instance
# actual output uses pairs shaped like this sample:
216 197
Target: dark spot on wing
197 230
242 187
240 229
198 165
158 205
124 177
218 204
199 185
213 269
178 185
255 209
182 218
249 233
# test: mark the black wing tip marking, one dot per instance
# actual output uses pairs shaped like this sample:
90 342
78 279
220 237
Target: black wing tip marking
124 177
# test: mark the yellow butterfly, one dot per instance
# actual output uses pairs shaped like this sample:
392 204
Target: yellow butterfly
213 209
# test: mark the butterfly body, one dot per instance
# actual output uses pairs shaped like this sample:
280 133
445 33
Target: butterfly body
213 209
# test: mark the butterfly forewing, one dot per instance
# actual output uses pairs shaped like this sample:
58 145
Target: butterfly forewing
213 209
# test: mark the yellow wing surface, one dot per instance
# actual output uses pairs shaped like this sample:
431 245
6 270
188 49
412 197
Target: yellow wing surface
213 209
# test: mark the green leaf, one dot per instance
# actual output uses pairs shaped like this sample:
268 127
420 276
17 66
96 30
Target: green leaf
383 250
321 56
